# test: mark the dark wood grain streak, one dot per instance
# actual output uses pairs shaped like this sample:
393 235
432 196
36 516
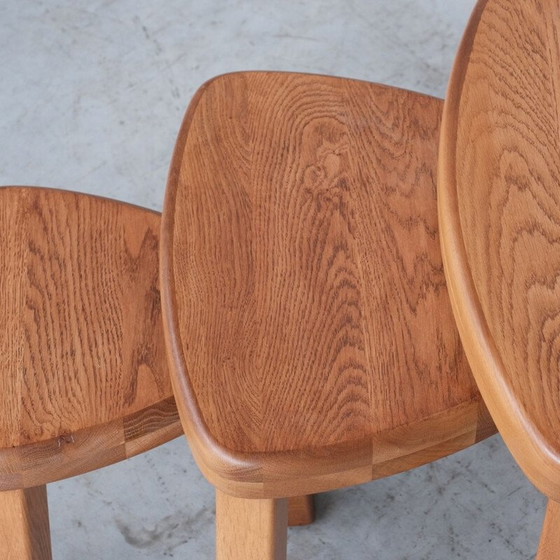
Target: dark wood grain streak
307 318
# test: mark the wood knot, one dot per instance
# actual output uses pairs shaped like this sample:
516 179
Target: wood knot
65 439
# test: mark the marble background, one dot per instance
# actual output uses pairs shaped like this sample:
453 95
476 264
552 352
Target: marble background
91 97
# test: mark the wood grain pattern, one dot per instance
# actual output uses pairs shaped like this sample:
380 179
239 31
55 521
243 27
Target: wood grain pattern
24 525
306 309
500 219
250 529
83 375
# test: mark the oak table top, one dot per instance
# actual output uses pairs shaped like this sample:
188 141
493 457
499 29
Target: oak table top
499 197
313 345
83 373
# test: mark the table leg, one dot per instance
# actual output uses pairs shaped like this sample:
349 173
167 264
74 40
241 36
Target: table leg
549 547
301 510
250 529
24 525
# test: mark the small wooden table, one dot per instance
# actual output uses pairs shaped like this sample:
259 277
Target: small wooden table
499 197
313 346
83 370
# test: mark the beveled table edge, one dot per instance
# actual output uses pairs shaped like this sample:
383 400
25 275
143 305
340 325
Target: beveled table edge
536 458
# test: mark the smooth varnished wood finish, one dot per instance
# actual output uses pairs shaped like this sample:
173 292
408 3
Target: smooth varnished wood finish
307 316
83 375
250 529
301 510
24 525
500 221
549 547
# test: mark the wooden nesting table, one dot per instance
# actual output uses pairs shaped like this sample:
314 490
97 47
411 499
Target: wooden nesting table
83 370
499 208
305 307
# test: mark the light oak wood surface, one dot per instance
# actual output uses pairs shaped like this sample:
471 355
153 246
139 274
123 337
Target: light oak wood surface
83 375
500 221
24 524
251 529
549 548
311 339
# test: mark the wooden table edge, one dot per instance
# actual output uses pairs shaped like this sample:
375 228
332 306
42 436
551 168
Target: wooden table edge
540 463
72 454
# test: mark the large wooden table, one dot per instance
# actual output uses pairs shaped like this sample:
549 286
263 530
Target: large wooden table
499 202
